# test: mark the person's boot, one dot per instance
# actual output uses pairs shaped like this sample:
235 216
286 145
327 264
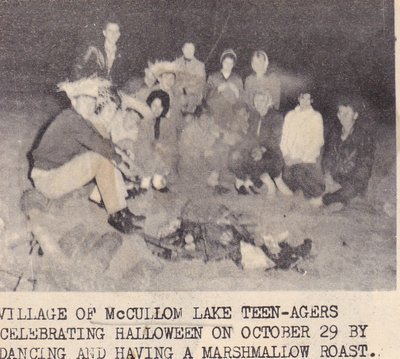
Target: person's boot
123 221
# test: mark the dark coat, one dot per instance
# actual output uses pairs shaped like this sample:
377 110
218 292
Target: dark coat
92 61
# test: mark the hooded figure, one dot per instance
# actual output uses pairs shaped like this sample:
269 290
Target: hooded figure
261 82
225 82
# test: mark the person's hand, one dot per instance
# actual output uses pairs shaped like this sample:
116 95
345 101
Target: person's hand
256 153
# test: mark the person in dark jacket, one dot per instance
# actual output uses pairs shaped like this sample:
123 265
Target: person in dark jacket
103 60
71 153
260 160
349 155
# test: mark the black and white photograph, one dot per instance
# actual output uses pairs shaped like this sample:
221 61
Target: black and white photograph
183 145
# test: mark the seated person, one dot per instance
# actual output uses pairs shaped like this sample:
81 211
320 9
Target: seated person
71 153
349 155
261 81
301 144
225 82
191 77
259 160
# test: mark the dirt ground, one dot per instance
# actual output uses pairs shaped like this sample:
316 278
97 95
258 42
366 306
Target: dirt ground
353 249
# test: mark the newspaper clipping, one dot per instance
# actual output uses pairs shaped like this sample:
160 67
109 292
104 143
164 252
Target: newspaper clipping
191 179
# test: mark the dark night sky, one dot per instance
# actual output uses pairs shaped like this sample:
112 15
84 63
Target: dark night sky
340 44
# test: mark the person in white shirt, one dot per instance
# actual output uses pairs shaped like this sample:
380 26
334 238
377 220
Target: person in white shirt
301 144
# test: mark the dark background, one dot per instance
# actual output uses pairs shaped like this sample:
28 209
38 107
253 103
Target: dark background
342 45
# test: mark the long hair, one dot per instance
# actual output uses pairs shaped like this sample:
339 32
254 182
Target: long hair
164 98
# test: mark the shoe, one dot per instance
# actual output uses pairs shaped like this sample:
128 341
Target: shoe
122 221
242 191
135 192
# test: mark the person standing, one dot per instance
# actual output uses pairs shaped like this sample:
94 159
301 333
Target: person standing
103 60
260 81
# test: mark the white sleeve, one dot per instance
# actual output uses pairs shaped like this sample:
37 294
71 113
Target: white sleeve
316 141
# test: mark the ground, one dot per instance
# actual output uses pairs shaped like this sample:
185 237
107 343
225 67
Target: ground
68 245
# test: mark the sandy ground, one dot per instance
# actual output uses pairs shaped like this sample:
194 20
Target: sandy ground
353 249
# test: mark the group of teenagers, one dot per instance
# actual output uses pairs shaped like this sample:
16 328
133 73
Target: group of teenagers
176 125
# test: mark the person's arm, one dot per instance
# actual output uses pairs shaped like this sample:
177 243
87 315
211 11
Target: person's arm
137 105
315 139
89 138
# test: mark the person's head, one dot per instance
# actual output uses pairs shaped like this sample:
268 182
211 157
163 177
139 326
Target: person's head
111 31
259 62
305 101
158 101
262 102
167 80
188 50
347 115
228 60
149 78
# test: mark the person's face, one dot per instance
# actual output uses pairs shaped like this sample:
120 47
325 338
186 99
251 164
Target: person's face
346 116
149 78
112 33
262 103
227 64
157 107
258 65
84 105
188 50
305 100
167 80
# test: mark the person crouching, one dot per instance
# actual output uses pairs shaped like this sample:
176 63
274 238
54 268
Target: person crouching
71 153
301 145
260 160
